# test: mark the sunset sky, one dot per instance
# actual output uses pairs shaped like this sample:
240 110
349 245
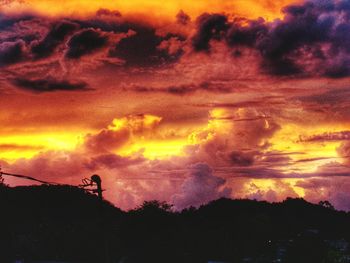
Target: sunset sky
177 100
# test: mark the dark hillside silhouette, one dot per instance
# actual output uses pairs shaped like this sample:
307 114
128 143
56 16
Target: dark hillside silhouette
55 222
67 223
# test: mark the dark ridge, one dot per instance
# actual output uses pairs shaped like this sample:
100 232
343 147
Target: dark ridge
67 224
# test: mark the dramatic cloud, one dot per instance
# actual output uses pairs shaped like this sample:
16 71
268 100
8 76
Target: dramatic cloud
200 187
107 38
242 99
241 158
107 140
11 52
209 27
120 132
185 88
49 84
334 190
85 42
141 49
53 39
310 36
275 192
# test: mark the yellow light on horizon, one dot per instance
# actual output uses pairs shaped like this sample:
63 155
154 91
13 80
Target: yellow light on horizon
152 150
31 144
272 184
307 156
165 9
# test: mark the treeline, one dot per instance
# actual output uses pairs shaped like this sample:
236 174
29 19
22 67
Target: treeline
68 224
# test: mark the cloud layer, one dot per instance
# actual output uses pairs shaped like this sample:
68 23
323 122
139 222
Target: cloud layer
187 107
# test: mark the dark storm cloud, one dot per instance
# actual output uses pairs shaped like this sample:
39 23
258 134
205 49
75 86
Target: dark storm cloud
312 39
238 158
142 48
55 37
136 43
138 49
142 45
34 43
49 84
339 68
8 21
185 88
302 30
246 35
11 52
85 42
116 25
208 27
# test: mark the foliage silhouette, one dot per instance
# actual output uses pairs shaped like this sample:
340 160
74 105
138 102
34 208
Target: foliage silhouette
67 223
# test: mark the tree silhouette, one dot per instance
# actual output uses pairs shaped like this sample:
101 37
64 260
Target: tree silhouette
154 205
326 204
63 223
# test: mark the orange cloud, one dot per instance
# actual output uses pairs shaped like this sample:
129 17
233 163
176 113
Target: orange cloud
215 120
